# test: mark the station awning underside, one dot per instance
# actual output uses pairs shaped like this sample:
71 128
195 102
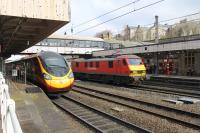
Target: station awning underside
19 33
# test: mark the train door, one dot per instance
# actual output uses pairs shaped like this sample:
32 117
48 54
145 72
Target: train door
118 66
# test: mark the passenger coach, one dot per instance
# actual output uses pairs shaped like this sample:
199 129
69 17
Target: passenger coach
126 69
49 70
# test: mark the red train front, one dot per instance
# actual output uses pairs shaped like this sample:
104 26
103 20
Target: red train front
125 69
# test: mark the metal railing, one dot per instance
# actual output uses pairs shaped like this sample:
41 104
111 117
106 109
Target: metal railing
10 123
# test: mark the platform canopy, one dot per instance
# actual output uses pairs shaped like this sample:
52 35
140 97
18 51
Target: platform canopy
24 23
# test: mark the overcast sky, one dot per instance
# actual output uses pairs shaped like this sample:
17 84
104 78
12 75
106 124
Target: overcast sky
83 10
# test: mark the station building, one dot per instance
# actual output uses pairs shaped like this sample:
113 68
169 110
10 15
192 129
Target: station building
176 56
71 46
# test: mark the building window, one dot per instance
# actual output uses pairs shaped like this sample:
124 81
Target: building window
186 61
193 60
110 64
189 59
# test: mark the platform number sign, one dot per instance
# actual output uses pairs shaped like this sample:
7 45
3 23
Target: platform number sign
14 72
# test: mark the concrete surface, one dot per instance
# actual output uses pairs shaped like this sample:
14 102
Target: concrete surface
36 113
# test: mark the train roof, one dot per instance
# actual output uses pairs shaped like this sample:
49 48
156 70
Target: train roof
110 59
128 56
35 55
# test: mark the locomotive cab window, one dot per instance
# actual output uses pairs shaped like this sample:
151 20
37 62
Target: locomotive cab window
134 61
55 64
110 64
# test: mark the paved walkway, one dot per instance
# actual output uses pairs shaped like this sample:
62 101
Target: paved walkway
36 113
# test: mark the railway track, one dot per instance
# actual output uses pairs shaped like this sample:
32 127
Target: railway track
166 90
185 118
98 120
171 85
193 93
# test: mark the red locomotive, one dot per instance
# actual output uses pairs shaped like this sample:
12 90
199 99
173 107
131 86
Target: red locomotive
125 69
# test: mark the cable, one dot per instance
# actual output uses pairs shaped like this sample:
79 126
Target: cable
180 17
192 20
103 15
106 13
120 16
173 18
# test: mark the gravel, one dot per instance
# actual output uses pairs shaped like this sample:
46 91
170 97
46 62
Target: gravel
139 118
152 97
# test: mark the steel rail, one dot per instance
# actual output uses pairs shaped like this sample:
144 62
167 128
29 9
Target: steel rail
172 85
188 124
166 90
142 102
121 122
79 118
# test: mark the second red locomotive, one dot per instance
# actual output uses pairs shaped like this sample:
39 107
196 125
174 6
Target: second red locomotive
125 69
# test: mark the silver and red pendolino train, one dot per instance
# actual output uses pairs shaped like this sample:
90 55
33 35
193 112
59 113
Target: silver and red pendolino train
49 70
125 69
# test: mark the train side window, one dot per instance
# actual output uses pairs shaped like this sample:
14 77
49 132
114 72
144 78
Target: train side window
86 64
124 62
91 64
110 64
77 64
118 62
97 64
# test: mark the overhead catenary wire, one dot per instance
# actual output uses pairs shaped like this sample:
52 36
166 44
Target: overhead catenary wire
120 16
109 12
175 18
171 19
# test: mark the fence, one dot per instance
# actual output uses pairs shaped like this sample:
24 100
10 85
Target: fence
10 123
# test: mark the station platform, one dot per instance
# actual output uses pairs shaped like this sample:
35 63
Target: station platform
175 77
184 80
35 112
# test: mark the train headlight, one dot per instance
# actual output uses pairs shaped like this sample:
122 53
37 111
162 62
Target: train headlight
133 72
71 75
47 77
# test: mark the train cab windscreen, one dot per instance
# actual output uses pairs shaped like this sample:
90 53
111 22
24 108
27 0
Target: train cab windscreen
135 61
55 64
